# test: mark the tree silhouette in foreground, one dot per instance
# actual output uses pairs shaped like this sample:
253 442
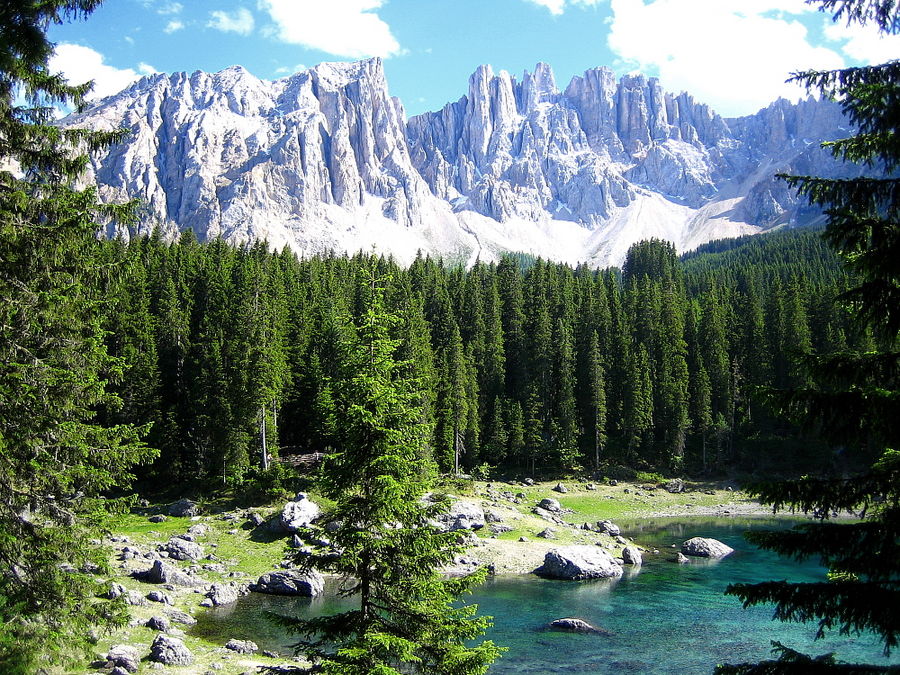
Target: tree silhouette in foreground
855 398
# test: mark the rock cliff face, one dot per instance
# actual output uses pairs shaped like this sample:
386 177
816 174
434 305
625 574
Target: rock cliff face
326 160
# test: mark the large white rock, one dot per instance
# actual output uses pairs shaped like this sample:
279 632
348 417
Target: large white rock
290 582
170 651
703 547
299 513
579 562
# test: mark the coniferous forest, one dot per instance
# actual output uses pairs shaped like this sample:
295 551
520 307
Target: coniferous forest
528 367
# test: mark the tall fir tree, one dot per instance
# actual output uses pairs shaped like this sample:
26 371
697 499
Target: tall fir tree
407 619
855 399
56 461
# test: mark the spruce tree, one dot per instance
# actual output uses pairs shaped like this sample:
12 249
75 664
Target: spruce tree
55 460
856 397
406 619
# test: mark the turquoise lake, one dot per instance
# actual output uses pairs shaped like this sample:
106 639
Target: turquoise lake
665 618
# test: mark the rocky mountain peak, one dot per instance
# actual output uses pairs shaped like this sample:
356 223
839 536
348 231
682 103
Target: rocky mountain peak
326 159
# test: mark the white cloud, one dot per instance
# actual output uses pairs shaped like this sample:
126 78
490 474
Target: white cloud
290 70
864 43
557 7
348 28
173 26
732 54
170 8
80 64
240 21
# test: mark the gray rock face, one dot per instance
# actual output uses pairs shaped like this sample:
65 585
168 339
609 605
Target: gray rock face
170 651
124 656
181 549
576 626
290 582
462 515
706 548
577 174
184 508
299 513
575 563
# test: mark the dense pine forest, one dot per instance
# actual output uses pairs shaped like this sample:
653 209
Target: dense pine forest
526 366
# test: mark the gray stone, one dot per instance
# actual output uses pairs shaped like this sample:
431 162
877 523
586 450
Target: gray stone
119 670
124 656
181 617
548 533
223 594
299 513
135 599
255 519
290 582
499 528
170 651
560 488
609 527
675 486
179 548
158 518
706 548
549 504
576 626
115 590
159 596
462 515
680 558
492 516
579 562
159 623
198 530
184 508
160 573
632 556
242 646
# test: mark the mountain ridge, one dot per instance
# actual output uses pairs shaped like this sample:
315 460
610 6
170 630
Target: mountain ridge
326 159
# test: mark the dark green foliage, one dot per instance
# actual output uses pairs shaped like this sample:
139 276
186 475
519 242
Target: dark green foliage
56 461
377 474
849 396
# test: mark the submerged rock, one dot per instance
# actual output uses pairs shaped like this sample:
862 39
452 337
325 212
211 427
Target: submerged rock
632 556
576 563
703 547
577 626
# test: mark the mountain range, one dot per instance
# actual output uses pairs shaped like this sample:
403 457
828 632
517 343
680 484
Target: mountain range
327 160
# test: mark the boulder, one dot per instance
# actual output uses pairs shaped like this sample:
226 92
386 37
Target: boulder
548 533
562 489
576 626
158 518
546 515
159 596
115 590
170 651
160 573
680 558
181 549
135 599
549 504
299 513
609 527
290 582
491 516
124 656
223 594
181 617
631 556
255 519
499 528
242 646
675 486
462 515
198 530
159 623
184 508
703 547
574 563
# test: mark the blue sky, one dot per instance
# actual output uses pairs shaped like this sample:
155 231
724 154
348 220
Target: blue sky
732 54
